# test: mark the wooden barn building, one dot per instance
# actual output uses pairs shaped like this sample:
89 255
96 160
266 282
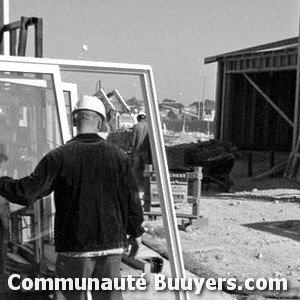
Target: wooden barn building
256 100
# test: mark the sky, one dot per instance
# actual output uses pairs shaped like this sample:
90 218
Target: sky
173 36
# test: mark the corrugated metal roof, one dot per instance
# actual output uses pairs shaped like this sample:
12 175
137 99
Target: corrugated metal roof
274 46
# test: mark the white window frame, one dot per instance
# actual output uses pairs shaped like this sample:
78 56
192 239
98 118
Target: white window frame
27 67
156 137
73 90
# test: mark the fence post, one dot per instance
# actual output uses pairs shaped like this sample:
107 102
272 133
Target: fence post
250 164
272 161
196 178
197 191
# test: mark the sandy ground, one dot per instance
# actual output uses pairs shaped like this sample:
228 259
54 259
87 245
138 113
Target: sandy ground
251 232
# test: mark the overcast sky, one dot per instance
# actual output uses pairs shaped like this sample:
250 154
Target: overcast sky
173 36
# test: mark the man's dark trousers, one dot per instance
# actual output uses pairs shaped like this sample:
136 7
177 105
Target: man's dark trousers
88 267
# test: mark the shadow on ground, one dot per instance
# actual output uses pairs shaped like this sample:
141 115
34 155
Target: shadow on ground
289 228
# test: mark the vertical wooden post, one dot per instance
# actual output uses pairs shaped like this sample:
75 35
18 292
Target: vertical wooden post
219 99
250 173
272 161
37 234
226 123
13 42
203 98
1 26
197 191
228 109
22 37
4 19
297 95
38 37
253 117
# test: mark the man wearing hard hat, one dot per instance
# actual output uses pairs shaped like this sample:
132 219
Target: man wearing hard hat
95 199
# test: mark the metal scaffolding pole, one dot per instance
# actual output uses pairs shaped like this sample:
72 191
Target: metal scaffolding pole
4 19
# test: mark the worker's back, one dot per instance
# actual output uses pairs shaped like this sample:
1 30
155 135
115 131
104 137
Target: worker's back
92 193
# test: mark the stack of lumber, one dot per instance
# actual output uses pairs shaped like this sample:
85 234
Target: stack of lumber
216 157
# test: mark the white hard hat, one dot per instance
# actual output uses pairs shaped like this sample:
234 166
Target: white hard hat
91 103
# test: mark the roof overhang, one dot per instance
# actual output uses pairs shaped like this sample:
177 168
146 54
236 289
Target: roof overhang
274 46
276 56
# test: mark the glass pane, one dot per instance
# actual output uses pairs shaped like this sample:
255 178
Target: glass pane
122 95
29 122
29 129
39 111
68 103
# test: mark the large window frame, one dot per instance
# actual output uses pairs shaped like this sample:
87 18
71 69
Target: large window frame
15 66
145 73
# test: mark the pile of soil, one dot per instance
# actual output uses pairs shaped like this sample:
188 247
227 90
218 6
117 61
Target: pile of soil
252 231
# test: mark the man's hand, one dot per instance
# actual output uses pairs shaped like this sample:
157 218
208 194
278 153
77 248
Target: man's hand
134 245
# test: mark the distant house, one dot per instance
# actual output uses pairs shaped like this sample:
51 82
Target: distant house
206 112
170 110
190 113
193 109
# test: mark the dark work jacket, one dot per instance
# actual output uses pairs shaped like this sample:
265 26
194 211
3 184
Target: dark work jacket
94 192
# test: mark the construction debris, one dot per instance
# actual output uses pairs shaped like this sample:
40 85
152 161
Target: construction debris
278 169
214 156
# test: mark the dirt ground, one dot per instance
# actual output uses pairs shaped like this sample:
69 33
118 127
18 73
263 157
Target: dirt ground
252 231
